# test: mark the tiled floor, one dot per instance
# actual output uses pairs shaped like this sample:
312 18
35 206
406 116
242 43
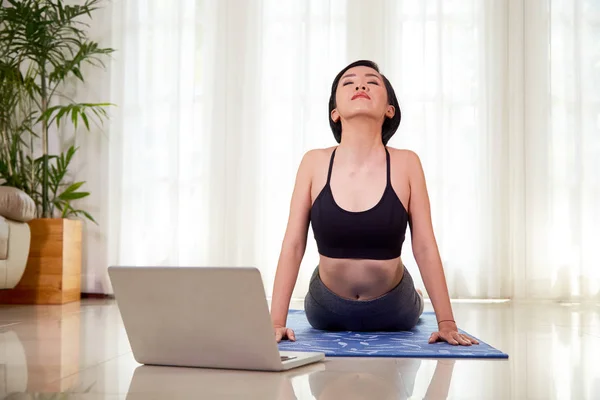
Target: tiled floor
81 349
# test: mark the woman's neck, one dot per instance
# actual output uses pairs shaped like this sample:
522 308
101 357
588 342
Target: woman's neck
361 139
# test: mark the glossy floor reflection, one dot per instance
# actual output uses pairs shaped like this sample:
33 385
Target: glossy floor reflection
81 351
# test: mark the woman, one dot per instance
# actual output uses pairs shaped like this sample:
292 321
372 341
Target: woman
360 196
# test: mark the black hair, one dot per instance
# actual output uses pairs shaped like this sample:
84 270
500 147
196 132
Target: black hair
390 125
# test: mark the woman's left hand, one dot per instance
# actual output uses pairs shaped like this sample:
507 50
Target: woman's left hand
448 332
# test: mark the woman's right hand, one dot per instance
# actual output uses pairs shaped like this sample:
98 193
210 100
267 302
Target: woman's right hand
281 332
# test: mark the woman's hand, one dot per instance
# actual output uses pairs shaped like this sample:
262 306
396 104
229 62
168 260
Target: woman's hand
281 332
448 332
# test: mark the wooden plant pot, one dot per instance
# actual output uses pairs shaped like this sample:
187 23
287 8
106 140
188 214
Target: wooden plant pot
53 271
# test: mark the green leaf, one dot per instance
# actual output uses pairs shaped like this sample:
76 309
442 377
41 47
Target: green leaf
73 187
77 73
74 112
73 196
63 110
70 153
88 216
85 120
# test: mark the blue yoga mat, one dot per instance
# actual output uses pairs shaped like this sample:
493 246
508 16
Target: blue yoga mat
413 343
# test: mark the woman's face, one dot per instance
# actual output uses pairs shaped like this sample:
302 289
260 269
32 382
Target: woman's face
361 92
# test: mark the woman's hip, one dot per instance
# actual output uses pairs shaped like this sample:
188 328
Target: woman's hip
398 309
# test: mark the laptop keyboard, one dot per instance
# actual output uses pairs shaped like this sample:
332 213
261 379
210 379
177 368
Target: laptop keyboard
286 358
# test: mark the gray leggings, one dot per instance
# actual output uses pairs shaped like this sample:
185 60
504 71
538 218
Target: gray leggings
397 310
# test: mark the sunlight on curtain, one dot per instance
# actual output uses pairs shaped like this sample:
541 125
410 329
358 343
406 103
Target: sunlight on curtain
158 144
574 170
444 60
303 45
219 100
435 58
563 222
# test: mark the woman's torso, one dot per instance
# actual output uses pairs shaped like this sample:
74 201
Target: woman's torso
358 191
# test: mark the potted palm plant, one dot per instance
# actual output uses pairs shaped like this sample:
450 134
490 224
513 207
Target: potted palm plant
43 48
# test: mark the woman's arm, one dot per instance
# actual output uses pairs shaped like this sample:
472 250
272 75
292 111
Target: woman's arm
424 244
294 242
426 253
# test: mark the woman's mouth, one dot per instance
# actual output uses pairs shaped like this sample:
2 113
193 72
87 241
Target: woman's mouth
361 94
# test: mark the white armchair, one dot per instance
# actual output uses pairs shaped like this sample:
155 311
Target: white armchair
16 209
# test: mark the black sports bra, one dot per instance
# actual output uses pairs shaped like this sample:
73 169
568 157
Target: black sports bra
377 233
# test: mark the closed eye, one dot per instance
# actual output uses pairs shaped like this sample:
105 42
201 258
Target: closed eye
350 83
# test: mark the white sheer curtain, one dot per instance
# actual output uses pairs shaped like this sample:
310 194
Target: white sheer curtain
218 100
562 150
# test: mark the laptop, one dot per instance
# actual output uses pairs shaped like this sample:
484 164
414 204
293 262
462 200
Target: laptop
210 317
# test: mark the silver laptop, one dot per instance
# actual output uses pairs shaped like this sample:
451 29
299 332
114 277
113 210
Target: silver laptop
212 317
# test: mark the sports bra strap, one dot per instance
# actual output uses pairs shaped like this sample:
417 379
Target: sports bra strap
387 159
330 165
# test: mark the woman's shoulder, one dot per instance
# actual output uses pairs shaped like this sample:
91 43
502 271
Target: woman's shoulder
321 151
407 160
314 159
403 155
317 155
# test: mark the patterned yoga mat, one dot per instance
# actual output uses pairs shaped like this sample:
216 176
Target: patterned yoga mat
411 343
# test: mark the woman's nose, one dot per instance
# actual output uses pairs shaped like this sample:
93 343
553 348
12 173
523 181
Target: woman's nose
364 88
